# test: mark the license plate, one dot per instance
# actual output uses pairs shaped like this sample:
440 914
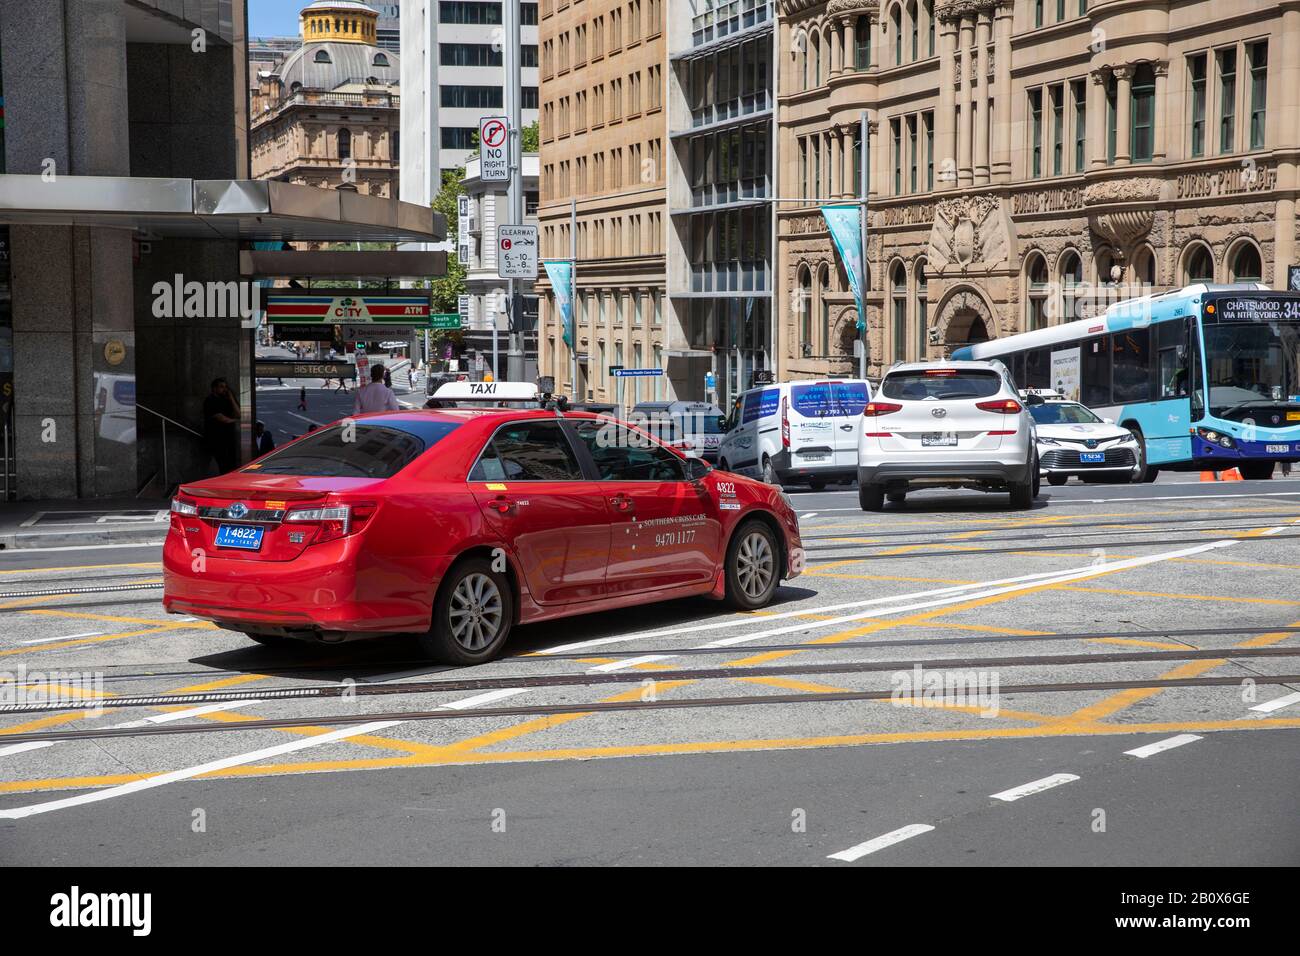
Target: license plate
938 440
1092 457
245 536
814 457
1277 449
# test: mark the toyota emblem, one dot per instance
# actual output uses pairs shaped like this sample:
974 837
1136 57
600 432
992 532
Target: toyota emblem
237 510
938 412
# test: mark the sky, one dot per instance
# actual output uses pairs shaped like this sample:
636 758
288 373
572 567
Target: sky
274 18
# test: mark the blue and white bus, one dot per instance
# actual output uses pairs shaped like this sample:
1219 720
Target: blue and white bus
1207 377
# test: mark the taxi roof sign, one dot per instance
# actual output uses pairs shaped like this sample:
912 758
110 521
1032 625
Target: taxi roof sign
487 392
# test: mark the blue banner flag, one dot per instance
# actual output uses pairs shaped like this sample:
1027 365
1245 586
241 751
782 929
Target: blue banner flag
846 232
561 275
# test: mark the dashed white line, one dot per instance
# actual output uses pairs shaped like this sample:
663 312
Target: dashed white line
66 637
1277 703
1160 746
880 842
1036 786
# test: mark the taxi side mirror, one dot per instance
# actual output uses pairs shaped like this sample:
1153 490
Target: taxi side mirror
696 469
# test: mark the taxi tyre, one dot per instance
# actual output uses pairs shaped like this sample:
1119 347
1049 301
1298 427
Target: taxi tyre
1147 473
464 579
753 548
1057 480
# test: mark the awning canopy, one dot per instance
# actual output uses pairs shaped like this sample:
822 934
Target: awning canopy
246 209
342 264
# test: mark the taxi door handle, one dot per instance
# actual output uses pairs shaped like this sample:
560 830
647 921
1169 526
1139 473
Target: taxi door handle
502 504
622 503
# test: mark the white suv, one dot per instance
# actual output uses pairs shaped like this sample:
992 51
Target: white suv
946 424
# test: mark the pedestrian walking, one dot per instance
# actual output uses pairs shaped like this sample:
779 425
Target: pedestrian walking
388 378
377 396
221 426
302 398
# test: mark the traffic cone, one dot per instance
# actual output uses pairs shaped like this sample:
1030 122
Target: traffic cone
1209 476
1232 474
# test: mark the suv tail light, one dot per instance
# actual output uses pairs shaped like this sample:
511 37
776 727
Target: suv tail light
874 409
335 521
1007 406
785 422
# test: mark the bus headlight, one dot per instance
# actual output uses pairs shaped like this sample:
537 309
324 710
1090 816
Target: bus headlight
1216 438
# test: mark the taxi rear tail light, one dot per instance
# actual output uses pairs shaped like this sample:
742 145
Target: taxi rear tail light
336 521
876 409
1008 406
183 506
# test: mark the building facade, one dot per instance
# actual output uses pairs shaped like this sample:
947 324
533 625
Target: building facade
329 115
1030 161
604 136
486 205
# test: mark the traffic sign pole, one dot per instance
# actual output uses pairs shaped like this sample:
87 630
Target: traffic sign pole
512 61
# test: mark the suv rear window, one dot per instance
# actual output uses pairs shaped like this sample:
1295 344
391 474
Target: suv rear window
941 383
374 451
827 399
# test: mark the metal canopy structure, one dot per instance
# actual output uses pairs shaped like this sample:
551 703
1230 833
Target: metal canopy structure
341 264
243 209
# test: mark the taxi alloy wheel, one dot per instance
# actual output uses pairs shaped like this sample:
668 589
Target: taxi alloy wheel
471 616
752 567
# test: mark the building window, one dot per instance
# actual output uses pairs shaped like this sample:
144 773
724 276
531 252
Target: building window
1057 94
482 97
913 154
345 144
458 137
1080 94
927 120
1071 279
899 297
1258 53
1112 114
380 60
896 133
922 310
803 168
1144 266
1143 109
1038 13
1246 266
862 40
322 57
824 294
929 23
1036 299
1227 99
1036 132
897 23
915 23
805 310
1060 10
1200 265
1196 70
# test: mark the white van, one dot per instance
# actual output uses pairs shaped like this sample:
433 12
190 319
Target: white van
796 431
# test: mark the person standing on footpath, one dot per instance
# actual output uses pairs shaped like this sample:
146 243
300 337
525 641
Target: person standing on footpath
221 426
375 397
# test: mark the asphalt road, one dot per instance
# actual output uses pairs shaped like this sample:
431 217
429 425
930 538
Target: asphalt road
1161 619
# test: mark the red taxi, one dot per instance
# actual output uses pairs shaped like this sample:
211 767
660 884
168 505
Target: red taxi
458 523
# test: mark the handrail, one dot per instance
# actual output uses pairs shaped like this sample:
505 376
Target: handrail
166 419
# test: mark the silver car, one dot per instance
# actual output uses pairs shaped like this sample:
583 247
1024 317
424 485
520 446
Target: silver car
954 424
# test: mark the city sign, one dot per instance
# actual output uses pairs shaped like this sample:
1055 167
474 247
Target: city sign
493 152
347 307
517 252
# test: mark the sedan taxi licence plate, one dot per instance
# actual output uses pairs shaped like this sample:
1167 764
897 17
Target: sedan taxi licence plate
1092 457
244 536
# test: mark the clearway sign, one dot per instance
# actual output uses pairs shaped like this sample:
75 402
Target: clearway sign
517 252
493 149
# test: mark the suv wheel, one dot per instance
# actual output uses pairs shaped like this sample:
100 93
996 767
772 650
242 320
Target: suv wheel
871 497
471 616
1024 492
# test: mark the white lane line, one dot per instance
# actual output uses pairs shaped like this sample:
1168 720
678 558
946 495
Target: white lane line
811 514
1037 786
880 842
1054 578
174 776
156 719
1160 746
1061 502
86 547
1277 703
17 813
736 621
66 637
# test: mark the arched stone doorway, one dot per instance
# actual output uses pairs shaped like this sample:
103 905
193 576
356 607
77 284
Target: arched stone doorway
964 319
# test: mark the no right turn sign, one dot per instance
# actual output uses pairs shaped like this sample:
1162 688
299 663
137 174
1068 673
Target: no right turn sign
493 149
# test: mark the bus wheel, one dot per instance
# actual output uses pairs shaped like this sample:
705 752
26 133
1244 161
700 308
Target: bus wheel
1256 470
